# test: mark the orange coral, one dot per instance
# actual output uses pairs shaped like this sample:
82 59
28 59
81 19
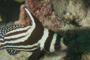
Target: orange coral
23 19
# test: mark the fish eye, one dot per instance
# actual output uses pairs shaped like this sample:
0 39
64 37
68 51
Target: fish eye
57 44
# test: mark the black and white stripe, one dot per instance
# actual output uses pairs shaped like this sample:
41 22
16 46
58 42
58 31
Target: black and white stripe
29 38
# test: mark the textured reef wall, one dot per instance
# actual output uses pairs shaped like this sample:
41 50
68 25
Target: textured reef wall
70 18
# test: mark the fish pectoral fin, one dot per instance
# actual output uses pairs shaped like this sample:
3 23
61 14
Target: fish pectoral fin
35 55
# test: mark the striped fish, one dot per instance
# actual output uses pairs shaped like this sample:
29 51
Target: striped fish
7 29
34 38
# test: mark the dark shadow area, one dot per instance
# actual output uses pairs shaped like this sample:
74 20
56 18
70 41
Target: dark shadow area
9 10
87 3
79 43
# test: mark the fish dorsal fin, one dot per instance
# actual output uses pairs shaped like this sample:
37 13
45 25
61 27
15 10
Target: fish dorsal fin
35 22
31 17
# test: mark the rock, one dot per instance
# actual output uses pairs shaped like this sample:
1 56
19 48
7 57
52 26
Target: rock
20 56
86 56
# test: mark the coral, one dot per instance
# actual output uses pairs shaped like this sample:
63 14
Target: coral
22 18
43 10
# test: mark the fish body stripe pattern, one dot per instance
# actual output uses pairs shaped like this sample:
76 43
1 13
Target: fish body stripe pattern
30 38
44 38
3 32
52 49
14 43
12 39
